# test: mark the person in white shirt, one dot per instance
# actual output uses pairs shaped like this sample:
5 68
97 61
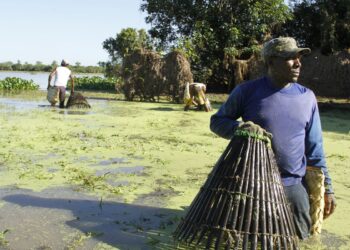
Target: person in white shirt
62 75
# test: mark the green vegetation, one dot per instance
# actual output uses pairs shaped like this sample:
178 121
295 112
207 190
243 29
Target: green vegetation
320 24
3 241
81 83
39 66
214 34
125 42
96 83
15 83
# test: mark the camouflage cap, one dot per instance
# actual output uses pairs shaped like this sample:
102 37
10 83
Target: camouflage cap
282 47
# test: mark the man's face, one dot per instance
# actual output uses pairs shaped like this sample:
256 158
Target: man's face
285 70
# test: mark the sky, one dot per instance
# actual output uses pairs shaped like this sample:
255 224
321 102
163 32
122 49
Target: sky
74 30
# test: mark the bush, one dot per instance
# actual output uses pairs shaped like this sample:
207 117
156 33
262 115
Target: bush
96 83
15 83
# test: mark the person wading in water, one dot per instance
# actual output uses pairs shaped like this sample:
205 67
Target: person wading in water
288 110
62 75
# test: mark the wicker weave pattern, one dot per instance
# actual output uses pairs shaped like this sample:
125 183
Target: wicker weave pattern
314 178
52 95
242 203
77 100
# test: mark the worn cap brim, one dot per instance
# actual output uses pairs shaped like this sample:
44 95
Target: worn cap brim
293 52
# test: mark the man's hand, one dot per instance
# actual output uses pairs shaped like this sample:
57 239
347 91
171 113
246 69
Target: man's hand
329 205
254 129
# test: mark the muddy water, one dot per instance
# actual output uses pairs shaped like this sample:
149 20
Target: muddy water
119 176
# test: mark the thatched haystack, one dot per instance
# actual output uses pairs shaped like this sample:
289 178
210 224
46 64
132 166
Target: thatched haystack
241 72
142 75
327 75
176 71
256 67
77 100
147 75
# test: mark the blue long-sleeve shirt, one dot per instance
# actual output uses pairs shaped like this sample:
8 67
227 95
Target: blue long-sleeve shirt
290 114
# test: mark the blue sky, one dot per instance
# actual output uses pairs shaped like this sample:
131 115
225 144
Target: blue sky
46 30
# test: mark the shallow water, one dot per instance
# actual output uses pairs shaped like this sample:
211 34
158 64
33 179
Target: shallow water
119 175
21 105
120 170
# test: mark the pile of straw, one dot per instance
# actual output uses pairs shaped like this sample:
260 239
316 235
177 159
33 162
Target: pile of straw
142 75
147 75
177 71
327 75
242 204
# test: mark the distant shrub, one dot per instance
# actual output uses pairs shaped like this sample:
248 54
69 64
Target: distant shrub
15 83
96 83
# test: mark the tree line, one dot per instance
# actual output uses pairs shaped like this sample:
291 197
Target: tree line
39 66
213 34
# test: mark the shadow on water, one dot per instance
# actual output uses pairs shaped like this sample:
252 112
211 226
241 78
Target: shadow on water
115 169
115 160
121 170
126 226
163 109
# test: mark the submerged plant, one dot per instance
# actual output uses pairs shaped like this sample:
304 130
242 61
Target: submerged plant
95 83
3 241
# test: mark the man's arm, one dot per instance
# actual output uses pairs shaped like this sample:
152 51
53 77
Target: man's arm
224 121
315 157
71 83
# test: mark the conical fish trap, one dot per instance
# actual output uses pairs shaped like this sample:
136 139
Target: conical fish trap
242 203
77 100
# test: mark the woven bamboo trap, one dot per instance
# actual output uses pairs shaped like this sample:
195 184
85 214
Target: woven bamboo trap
77 100
242 204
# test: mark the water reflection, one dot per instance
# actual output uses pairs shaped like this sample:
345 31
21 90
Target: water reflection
18 104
